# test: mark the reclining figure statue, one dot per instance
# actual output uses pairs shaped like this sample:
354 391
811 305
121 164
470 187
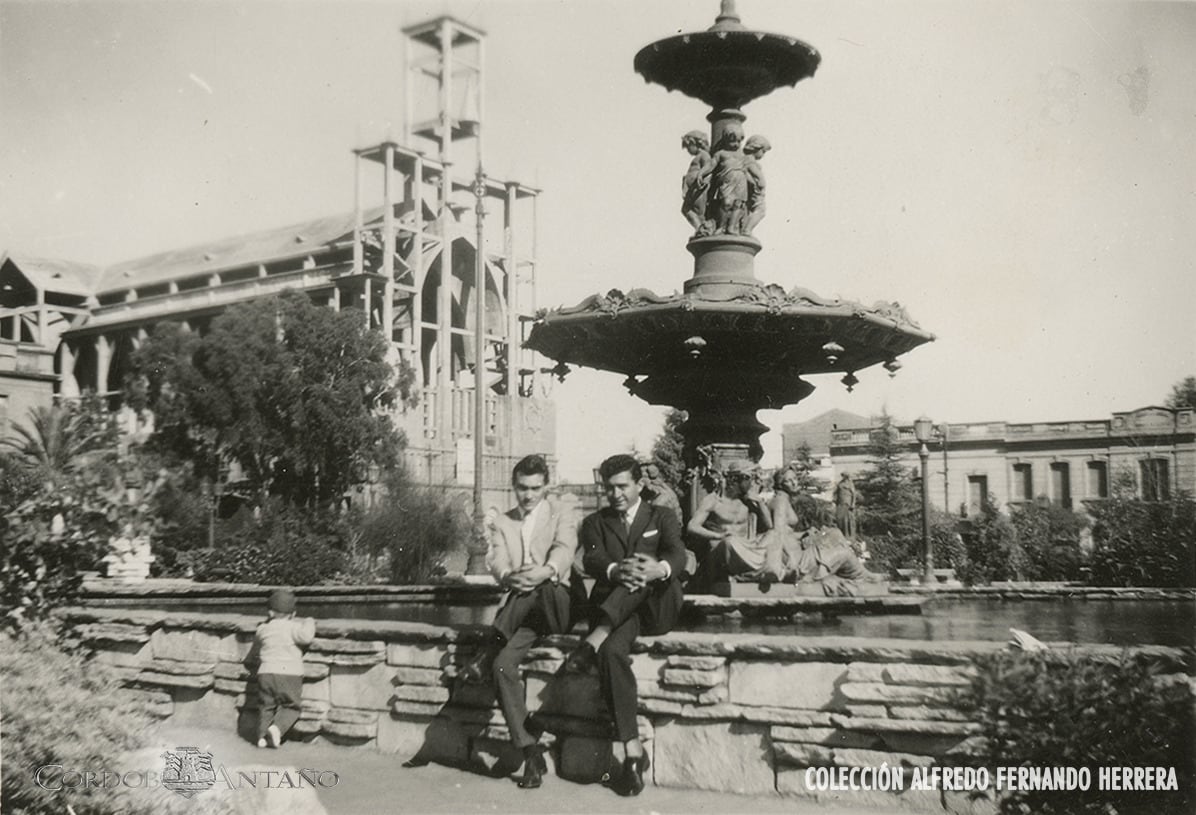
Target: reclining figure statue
778 552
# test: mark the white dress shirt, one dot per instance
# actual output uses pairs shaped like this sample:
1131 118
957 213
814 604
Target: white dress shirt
526 528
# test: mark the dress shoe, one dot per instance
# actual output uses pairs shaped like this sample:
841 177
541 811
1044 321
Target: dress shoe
534 770
632 782
583 660
534 726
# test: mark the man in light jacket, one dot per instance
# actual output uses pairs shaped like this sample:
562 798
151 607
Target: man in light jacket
531 555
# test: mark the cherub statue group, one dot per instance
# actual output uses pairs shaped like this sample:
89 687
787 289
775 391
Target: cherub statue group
723 191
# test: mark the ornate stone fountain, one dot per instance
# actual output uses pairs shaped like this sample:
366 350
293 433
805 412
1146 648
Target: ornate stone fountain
728 344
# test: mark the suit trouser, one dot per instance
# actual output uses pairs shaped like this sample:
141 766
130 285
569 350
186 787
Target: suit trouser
523 618
652 610
280 701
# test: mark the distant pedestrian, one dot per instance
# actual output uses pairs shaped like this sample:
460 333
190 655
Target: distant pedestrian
279 643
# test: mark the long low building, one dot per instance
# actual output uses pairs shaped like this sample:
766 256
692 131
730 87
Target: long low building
1152 449
66 328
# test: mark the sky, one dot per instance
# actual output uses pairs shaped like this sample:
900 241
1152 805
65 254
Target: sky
1021 176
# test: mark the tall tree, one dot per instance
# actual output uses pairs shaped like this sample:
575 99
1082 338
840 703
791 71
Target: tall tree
1183 394
293 393
667 450
890 502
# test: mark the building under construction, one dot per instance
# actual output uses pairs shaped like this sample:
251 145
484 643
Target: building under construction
406 258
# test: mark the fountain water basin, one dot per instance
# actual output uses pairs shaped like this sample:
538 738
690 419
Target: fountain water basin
1065 613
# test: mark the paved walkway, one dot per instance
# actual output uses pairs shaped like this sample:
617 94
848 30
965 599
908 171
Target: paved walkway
374 783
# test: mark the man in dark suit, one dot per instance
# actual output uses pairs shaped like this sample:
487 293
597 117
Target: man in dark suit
634 551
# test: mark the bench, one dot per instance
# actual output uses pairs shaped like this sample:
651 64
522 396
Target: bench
943 577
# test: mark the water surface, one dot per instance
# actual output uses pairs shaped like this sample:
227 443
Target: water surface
1116 622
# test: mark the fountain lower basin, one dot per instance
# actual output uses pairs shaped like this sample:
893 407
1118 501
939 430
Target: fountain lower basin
1063 614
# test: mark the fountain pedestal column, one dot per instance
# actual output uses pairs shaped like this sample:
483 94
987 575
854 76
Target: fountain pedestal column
724 265
734 433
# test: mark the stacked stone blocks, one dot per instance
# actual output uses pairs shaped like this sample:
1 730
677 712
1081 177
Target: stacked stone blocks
735 713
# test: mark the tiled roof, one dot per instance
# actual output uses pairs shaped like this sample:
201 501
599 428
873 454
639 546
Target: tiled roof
228 253
267 245
64 276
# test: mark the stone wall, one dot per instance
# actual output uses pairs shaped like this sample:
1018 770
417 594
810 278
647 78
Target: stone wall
738 713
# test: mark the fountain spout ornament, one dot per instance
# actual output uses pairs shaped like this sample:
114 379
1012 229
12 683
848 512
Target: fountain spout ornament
728 345
726 67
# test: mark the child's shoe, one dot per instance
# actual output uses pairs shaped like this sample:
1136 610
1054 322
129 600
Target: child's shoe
261 742
274 735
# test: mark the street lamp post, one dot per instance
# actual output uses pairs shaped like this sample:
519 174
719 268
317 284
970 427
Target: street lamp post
477 555
923 430
946 471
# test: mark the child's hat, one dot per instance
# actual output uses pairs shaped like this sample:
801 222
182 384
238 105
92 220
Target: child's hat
282 601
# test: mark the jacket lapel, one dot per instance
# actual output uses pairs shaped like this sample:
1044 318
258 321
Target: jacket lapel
614 522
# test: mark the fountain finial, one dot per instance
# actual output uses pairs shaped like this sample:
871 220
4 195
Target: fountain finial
728 18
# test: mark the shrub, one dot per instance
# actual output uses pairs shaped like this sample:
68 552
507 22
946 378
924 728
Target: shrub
949 549
887 554
1049 538
404 538
286 545
18 483
414 527
63 530
990 544
891 551
1144 543
1063 709
417 552
63 708
60 708
810 510
183 506
364 564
